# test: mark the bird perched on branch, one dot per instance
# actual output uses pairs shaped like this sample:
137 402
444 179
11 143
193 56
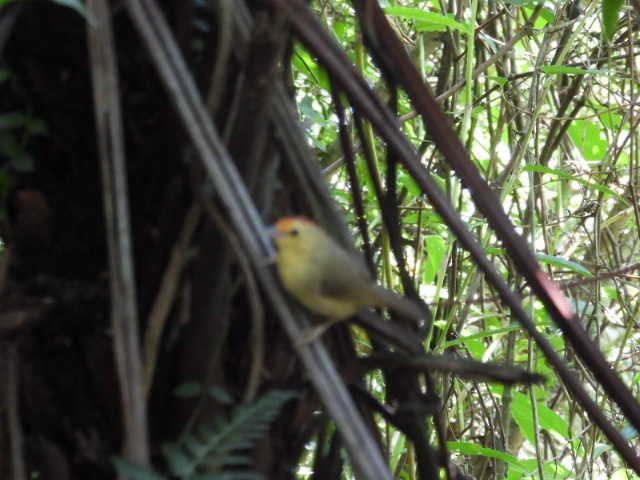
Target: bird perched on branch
326 278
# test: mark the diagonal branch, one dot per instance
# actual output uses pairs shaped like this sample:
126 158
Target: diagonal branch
366 456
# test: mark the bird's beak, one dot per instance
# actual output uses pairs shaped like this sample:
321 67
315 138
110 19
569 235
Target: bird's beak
273 232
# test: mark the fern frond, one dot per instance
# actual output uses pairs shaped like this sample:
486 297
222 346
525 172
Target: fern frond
216 445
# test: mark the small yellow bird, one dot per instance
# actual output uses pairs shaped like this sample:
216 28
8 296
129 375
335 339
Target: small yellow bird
326 278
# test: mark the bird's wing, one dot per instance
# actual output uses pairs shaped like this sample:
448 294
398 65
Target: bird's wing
401 305
344 275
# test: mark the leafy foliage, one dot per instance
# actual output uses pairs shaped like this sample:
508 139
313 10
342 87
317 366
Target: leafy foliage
548 115
220 447
565 167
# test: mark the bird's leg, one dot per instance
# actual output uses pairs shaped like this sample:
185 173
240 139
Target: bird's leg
313 333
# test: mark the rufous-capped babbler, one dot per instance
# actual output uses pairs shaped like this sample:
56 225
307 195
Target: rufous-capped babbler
326 278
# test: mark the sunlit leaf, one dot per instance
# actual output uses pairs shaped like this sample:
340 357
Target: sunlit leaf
568 176
522 413
564 263
562 69
610 12
436 249
429 21
588 137
483 334
468 448
307 65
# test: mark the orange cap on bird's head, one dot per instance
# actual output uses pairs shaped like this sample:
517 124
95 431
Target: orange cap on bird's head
287 227
286 224
296 234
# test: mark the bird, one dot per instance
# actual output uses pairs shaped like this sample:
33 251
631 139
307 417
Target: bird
326 278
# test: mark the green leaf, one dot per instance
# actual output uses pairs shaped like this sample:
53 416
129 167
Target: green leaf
307 65
436 249
188 390
409 183
600 449
552 470
502 81
563 262
547 17
610 11
623 474
180 464
589 138
557 342
220 395
522 414
562 69
76 5
131 471
397 450
549 420
629 433
476 347
483 334
429 21
468 448
222 442
11 120
610 120
521 3
568 176
551 260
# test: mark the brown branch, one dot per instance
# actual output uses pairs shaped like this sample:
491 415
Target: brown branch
124 317
18 467
464 368
166 294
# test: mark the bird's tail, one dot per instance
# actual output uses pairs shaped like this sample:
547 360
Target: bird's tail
403 306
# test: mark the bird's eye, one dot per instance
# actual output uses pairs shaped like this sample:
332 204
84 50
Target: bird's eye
294 232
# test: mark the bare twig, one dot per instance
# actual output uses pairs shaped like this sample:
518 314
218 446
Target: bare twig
18 467
124 316
257 311
224 46
167 293
462 367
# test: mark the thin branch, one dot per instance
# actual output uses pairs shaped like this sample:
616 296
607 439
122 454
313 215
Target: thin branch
167 293
461 367
124 316
18 467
